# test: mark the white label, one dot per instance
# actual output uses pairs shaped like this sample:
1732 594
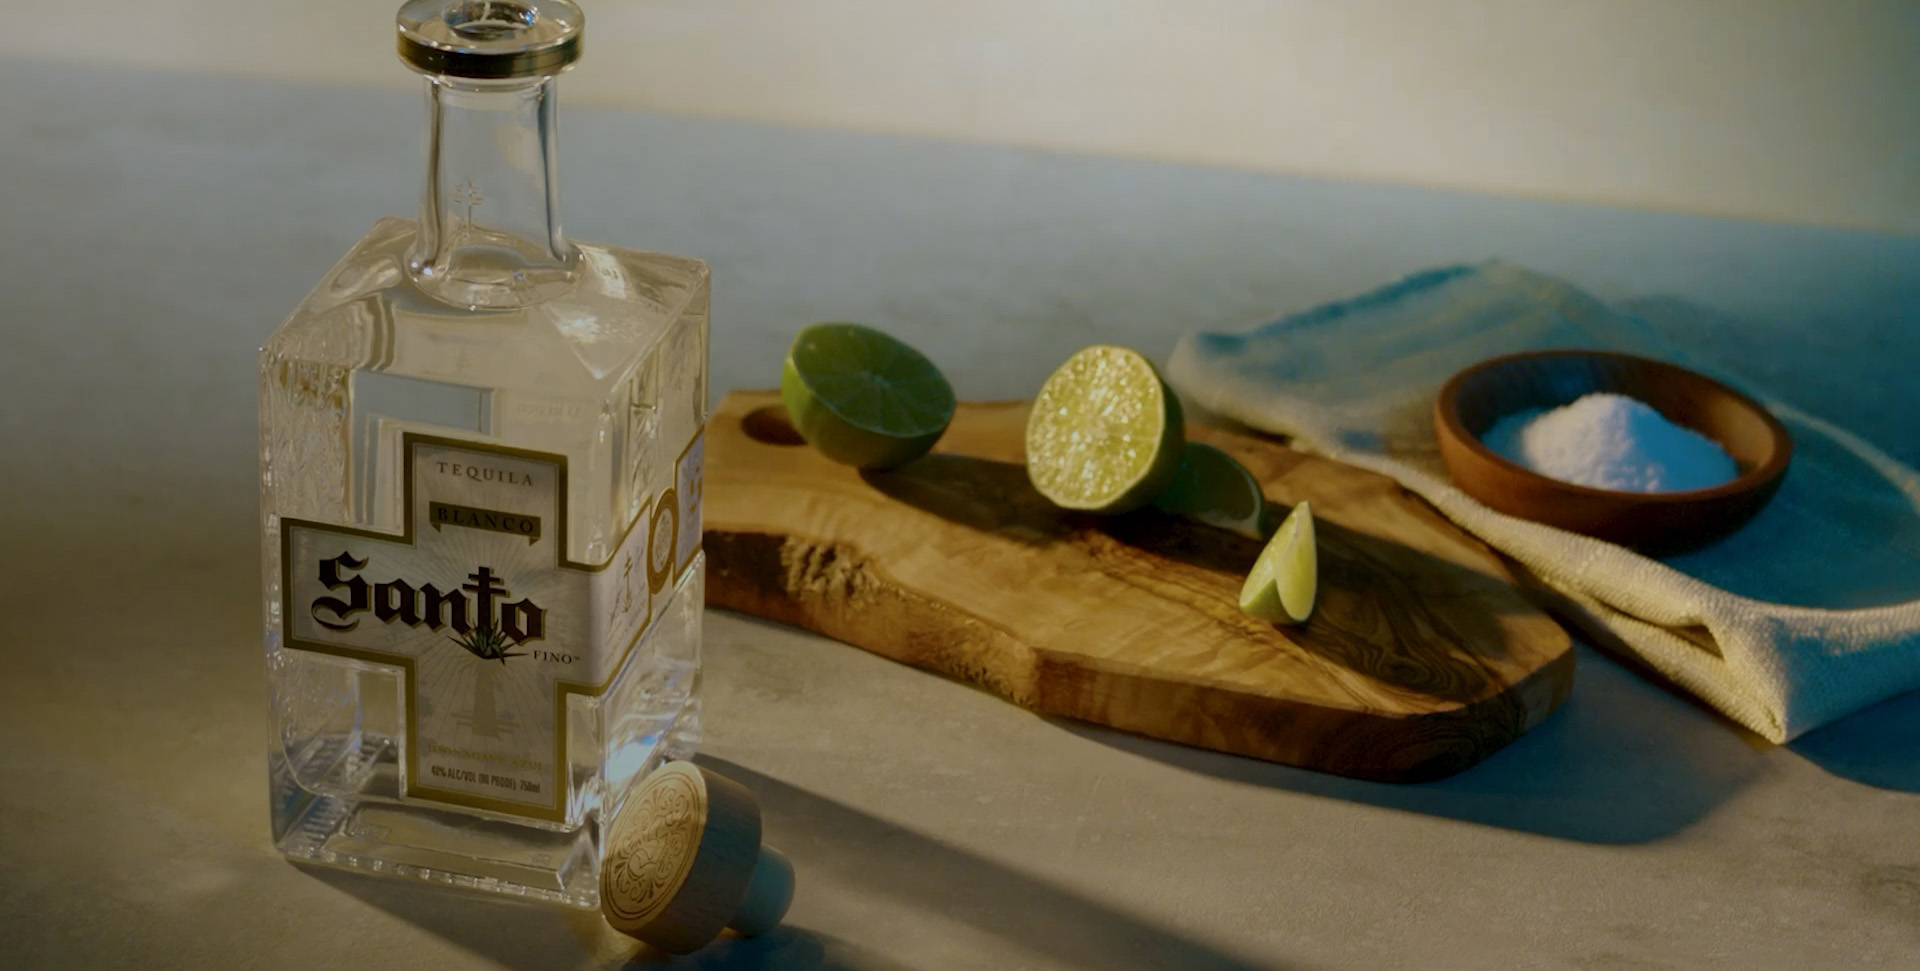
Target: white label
477 602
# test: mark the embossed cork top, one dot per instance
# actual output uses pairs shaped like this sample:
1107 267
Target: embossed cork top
684 862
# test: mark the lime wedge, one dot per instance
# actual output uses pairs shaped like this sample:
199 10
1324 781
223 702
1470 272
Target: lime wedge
1284 580
1105 433
1214 489
863 398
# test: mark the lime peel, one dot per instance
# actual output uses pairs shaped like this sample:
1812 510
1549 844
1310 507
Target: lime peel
862 397
1213 488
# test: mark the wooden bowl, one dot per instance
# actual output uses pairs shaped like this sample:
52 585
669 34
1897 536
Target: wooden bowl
1473 400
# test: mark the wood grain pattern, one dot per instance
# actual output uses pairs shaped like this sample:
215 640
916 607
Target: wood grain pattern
1421 658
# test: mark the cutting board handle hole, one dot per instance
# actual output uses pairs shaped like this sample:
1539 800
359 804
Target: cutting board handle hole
770 425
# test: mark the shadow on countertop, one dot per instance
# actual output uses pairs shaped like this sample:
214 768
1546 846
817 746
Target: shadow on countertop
780 949
1623 761
823 836
1879 746
1039 916
538 937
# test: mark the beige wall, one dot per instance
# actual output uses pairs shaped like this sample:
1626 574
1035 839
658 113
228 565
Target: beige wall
1797 110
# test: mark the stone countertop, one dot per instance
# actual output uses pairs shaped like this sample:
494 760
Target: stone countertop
155 227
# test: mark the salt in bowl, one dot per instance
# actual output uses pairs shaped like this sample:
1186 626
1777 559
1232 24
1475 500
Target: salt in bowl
1473 400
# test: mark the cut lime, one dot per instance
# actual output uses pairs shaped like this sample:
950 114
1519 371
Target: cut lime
1284 580
1213 488
1105 433
863 398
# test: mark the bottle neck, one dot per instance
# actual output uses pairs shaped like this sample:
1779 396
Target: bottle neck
489 235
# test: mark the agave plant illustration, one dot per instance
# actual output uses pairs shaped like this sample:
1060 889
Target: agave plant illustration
488 644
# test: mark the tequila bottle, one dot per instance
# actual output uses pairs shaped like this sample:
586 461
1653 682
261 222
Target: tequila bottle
480 470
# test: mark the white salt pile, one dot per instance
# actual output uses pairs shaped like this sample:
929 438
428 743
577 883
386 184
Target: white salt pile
1611 441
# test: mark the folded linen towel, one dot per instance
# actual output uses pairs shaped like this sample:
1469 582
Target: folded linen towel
1748 624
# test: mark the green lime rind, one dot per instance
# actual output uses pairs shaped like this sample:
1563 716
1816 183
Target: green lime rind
1285 581
1105 433
1212 488
861 397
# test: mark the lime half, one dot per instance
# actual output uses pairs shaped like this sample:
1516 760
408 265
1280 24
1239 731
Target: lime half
1214 489
1285 579
863 398
1105 434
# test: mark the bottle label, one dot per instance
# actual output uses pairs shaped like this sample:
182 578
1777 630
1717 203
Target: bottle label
476 602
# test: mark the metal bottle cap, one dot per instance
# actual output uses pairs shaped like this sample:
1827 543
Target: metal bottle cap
490 39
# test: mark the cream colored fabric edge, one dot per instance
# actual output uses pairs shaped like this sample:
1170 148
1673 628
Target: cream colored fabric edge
1639 600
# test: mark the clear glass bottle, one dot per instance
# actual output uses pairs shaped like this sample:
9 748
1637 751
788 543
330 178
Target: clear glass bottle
480 469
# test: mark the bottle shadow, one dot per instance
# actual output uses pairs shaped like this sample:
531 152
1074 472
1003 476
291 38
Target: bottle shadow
517 934
1041 917
826 839
535 937
780 949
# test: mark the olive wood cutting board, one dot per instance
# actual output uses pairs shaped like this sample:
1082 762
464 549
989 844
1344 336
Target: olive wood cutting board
1421 658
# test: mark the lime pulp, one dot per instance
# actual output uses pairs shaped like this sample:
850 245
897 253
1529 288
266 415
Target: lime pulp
1285 580
1105 433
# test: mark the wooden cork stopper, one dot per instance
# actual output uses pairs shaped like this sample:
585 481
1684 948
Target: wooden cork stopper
684 862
